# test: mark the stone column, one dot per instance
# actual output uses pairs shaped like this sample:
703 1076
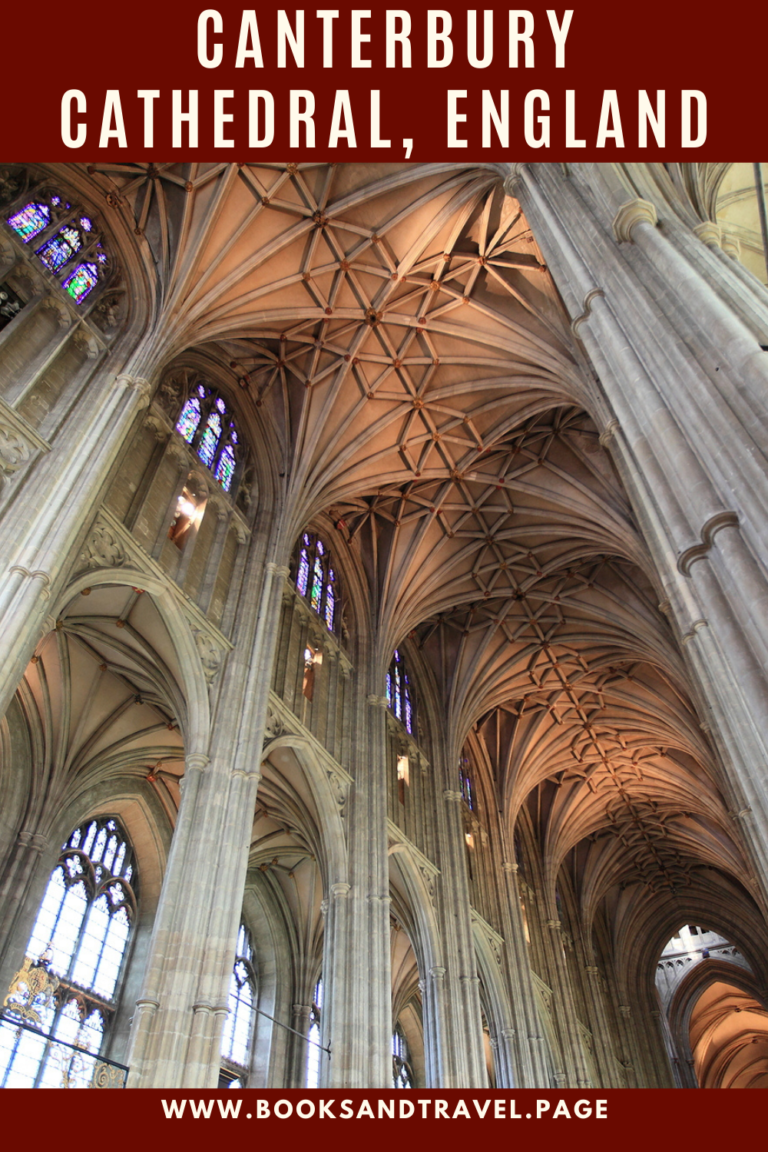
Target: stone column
36 537
176 1044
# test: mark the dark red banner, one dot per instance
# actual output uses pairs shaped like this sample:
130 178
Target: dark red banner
595 81
544 1119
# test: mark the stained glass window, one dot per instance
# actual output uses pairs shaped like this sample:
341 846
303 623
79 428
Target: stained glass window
82 281
399 698
80 937
401 1065
314 1051
225 469
31 220
189 419
238 1028
79 234
465 783
60 248
206 449
316 579
206 423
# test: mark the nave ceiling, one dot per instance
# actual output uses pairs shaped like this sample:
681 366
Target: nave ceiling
394 334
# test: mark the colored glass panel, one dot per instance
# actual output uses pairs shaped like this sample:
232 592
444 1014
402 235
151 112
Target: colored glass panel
225 468
82 281
317 585
60 248
189 419
86 224
31 220
302 577
210 441
330 606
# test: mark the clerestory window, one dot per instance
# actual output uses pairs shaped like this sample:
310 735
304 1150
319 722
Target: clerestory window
68 985
66 242
206 423
399 695
316 578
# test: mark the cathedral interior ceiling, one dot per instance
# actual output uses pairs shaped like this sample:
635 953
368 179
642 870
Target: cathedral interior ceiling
395 332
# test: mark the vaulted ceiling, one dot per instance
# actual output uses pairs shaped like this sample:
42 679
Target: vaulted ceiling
397 332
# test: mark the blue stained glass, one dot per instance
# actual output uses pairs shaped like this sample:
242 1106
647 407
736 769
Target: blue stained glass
85 224
317 584
225 468
233 436
320 549
58 250
32 218
330 605
189 419
56 200
202 392
82 281
101 257
221 405
302 577
210 441
389 690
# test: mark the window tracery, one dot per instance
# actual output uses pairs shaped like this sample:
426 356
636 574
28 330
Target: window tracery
80 938
399 695
316 578
238 1028
206 423
76 236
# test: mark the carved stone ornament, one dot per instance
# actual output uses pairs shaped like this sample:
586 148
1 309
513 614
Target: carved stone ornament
171 393
14 450
339 789
10 185
103 549
210 655
273 725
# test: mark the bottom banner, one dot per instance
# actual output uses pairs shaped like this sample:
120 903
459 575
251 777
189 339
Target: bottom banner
624 1119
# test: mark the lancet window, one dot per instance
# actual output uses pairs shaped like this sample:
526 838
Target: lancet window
207 424
238 1028
316 578
402 1076
466 787
68 985
72 247
399 694
314 1052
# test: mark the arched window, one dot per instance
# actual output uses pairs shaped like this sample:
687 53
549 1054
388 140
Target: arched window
67 988
316 578
465 783
238 1029
206 423
314 1051
399 696
402 1077
72 245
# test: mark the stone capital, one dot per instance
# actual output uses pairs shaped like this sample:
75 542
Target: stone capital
709 233
339 891
196 762
630 216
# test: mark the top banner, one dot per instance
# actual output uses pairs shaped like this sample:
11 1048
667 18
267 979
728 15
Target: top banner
420 82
